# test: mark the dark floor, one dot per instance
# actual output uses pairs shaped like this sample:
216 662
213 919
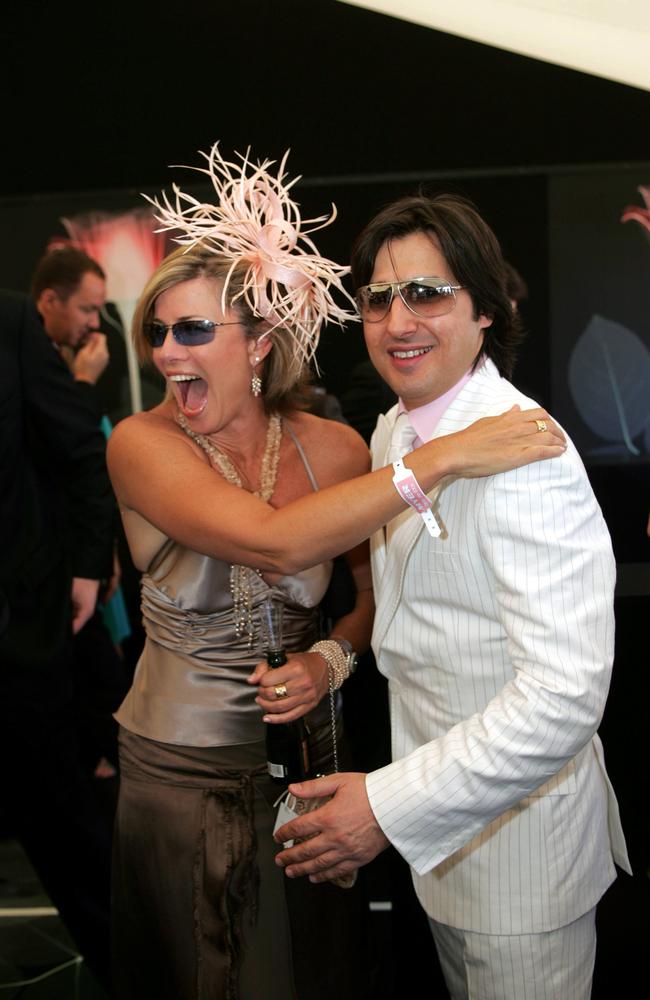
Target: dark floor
38 960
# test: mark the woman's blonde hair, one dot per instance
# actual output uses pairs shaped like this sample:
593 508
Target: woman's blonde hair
284 375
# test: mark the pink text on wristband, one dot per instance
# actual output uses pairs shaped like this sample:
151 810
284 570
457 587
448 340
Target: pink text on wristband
412 493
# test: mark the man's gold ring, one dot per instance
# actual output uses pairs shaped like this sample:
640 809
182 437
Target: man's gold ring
541 425
281 691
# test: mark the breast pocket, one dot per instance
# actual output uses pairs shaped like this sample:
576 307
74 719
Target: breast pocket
442 560
437 574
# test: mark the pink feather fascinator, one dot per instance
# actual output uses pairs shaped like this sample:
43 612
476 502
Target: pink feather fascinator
255 222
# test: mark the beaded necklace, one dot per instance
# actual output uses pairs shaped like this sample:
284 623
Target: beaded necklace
242 577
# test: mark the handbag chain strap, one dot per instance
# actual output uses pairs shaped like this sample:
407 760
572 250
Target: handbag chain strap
330 677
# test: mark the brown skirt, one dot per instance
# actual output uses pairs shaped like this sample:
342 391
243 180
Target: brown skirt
199 907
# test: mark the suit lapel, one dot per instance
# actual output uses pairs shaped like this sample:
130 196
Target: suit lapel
379 444
389 567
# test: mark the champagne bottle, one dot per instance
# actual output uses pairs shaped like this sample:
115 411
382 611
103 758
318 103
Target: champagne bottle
287 747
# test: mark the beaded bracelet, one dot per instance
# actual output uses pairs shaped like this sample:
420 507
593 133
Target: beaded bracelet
335 658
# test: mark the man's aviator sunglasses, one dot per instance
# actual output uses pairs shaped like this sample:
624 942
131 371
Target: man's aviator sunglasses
188 332
425 297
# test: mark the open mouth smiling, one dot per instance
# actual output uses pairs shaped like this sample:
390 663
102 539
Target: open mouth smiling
191 392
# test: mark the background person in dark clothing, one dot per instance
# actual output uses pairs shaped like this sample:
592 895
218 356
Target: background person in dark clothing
56 516
69 289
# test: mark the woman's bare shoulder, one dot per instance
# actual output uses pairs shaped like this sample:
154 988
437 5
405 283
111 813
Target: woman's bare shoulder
335 450
144 438
150 424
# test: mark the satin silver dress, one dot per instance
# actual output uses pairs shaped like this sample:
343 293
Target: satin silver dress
200 908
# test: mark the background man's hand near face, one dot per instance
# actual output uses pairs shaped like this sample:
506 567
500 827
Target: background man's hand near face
90 360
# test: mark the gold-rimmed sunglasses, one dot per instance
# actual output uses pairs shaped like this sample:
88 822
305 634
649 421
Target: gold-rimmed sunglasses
425 297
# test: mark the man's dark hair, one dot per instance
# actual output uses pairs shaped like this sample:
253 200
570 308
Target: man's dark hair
63 270
472 252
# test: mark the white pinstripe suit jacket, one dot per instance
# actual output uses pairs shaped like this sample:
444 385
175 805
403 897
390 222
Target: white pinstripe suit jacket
497 640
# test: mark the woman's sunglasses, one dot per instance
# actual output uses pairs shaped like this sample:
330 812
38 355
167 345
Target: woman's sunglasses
424 297
188 332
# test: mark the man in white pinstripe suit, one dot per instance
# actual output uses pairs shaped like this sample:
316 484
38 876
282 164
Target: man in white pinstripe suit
496 636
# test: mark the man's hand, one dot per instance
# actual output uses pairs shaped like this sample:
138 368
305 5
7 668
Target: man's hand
84 599
338 837
91 359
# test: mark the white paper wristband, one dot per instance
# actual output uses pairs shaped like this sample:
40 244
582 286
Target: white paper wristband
412 493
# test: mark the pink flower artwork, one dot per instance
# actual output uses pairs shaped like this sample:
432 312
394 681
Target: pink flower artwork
636 213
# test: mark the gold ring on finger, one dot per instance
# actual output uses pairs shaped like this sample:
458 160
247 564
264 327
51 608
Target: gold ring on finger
281 691
541 425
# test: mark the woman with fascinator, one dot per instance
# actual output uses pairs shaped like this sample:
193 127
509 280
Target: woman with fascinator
230 494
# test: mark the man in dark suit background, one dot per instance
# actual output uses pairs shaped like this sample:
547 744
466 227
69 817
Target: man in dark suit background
69 289
56 520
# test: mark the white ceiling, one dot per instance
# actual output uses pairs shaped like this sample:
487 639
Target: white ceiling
608 38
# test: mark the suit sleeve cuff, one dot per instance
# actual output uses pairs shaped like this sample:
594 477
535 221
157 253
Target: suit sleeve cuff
385 790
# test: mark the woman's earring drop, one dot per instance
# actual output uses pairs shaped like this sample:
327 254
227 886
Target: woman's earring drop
256 381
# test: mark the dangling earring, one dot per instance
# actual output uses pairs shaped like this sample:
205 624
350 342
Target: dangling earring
256 381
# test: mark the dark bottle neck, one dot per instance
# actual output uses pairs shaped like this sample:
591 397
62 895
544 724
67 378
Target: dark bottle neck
276 657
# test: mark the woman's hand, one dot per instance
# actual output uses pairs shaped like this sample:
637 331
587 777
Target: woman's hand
305 678
496 444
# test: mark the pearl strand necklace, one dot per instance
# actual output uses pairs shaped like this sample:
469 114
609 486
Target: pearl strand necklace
242 577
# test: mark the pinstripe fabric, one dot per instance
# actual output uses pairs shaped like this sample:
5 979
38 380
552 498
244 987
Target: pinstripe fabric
497 639
555 965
